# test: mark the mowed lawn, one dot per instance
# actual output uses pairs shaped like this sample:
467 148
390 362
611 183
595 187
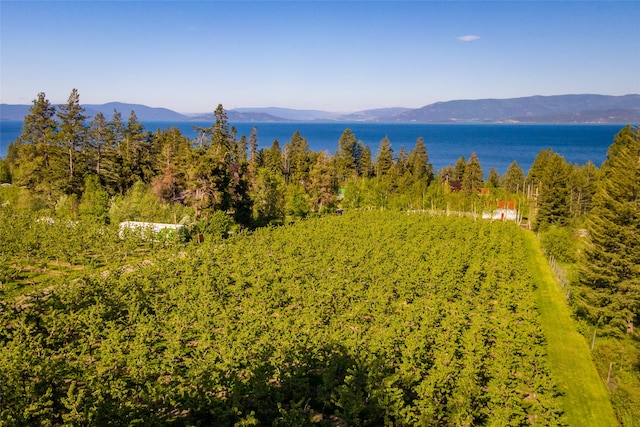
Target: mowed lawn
585 397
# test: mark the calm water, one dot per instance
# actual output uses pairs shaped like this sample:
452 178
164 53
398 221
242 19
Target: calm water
495 145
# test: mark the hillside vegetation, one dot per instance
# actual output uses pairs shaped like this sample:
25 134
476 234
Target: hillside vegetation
363 319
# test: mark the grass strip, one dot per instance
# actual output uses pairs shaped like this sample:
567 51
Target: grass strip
585 398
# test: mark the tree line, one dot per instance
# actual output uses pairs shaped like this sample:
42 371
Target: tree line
61 155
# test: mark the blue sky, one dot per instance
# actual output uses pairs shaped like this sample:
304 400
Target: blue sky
332 55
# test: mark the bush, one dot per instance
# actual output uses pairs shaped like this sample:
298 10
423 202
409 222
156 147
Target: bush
559 243
216 226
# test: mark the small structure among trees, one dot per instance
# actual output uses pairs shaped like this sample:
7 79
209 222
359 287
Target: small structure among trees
504 211
154 230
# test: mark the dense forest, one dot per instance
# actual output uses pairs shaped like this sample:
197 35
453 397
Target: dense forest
401 311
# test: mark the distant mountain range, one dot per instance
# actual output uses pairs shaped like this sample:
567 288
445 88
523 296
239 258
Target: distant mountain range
532 109
143 112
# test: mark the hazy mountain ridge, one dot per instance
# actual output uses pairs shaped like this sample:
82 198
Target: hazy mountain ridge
532 109
143 112
289 113
529 109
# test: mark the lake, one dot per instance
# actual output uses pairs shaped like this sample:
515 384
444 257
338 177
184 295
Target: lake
496 145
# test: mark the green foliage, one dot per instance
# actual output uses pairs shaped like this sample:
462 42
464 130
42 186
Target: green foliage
66 207
20 200
71 139
297 202
610 268
493 180
365 164
583 393
472 177
5 173
384 157
371 318
559 243
215 226
418 162
347 156
297 159
459 169
95 200
268 196
322 187
33 156
554 193
583 187
513 179
272 157
140 204
618 361
537 172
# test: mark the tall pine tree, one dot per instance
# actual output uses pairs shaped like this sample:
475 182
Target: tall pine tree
418 162
610 265
513 178
554 200
347 156
31 157
72 139
472 177
384 158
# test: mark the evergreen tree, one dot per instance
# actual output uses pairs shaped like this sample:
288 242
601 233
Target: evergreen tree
213 184
553 202
493 181
472 178
221 137
610 266
97 143
136 153
323 183
72 138
111 168
39 126
384 158
446 174
583 187
365 165
171 161
5 174
347 157
208 181
418 162
32 156
254 154
268 193
458 169
240 151
272 157
513 178
95 200
537 172
297 201
297 159
402 163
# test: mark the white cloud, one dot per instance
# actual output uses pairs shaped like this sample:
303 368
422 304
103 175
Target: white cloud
468 38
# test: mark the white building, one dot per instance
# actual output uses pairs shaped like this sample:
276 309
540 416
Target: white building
153 228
